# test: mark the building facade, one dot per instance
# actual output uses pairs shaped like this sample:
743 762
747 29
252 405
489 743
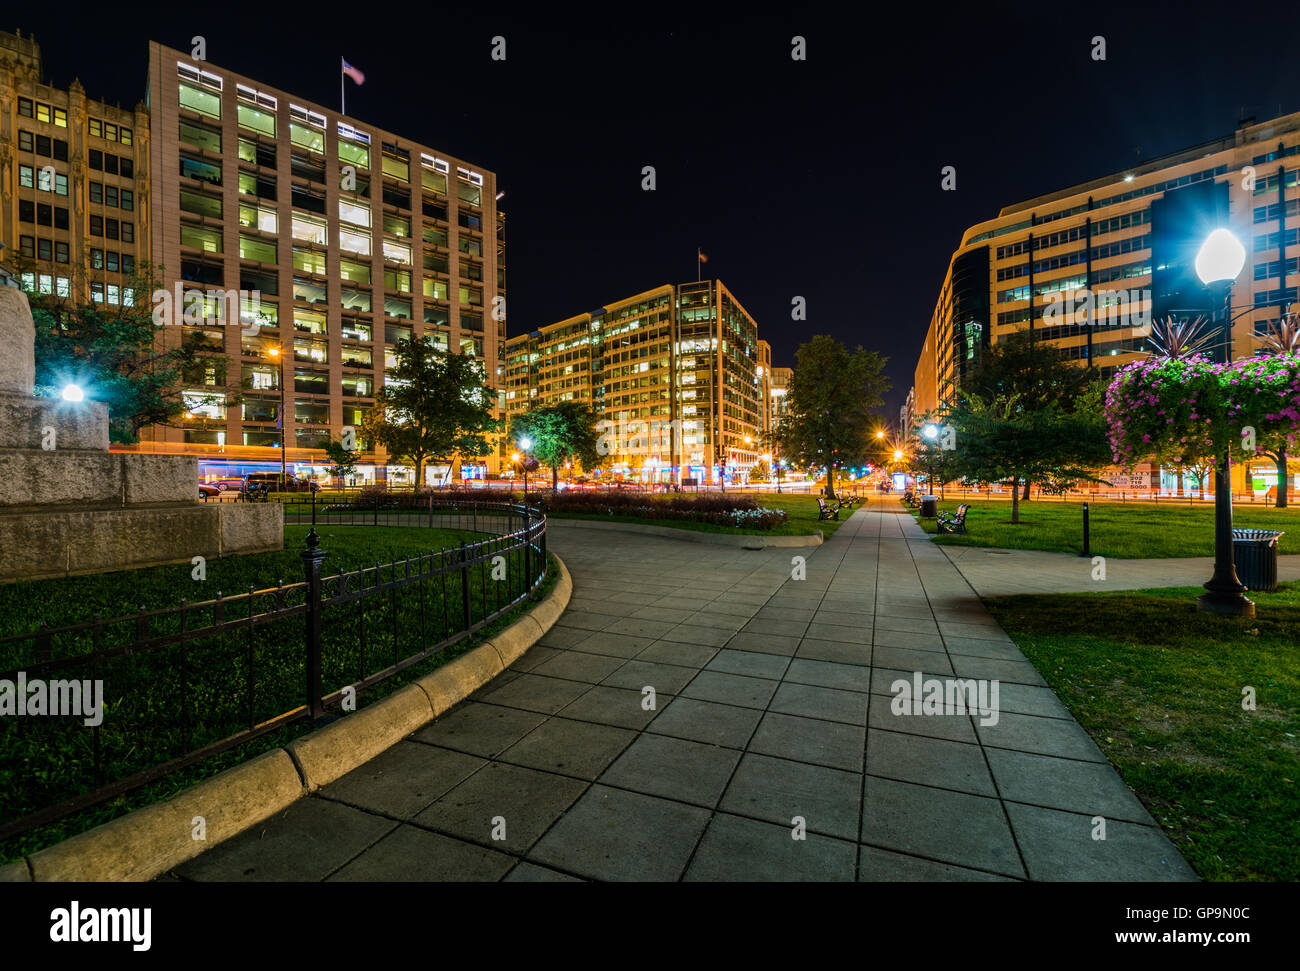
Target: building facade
675 375
75 181
1090 267
350 237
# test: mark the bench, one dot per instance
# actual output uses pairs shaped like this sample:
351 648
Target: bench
910 499
827 512
955 523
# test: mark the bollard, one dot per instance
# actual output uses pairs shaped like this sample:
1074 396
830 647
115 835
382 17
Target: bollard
1087 539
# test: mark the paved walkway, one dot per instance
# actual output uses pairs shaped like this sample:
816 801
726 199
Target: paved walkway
1002 572
772 713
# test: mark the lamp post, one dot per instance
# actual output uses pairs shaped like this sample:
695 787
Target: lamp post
276 353
1220 260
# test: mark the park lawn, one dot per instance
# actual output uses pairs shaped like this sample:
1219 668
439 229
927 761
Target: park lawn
1123 530
41 767
1159 687
800 510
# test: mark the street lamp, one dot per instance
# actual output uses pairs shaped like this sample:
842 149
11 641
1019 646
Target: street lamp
275 353
1221 259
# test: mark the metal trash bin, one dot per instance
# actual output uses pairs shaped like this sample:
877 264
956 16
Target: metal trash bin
929 507
1254 551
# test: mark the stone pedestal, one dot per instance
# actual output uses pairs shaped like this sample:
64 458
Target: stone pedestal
68 506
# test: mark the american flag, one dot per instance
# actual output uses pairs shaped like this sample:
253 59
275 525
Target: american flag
353 73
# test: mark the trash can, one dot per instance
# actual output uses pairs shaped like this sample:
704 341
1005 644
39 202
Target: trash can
930 508
1254 551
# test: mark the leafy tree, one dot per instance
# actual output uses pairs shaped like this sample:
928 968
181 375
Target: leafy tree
559 433
433 405
1001 440
343 461
828 422
1034 374
114 352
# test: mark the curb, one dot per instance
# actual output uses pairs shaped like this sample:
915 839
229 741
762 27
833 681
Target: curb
750 541
153 839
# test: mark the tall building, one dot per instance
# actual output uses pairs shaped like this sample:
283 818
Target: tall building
675 375
74 172
778 389
351 237
1130 241
1090 267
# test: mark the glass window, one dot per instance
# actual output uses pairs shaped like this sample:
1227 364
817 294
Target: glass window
26 177
60 118
96 128
397 307
310 229
25 107
308 138
199 204
435 289
208 240
396 168
399 280
397 225
354 242
42 112
470 193
311 323
354 272
124 136
204 102
44 250
397 252
259 217
255 119
261 250
355 330
309 261
128 199
358 357
110 195
357 213
60 252
201 136
434 181
194 168
354 153
97 192
25 142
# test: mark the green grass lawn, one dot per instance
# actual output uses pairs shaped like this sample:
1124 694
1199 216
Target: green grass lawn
800 510
43 761
1122 530
1159 686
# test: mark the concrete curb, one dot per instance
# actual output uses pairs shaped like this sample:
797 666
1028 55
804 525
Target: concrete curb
750 541
154 839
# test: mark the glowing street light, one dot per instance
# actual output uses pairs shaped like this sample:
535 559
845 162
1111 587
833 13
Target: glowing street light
930 431
1221 257
73 392
880 434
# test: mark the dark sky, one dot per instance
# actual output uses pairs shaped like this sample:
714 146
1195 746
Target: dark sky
818 179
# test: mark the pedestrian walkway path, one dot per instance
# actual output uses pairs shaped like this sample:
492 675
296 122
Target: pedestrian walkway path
1004 572
772 719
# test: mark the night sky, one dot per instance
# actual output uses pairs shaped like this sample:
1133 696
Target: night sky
819 178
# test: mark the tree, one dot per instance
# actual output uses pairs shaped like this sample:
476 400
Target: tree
828 422
433 405
343 461
114 354
1030 370
1000 439
559 434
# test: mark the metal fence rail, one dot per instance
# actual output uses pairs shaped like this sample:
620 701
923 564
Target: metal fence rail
186 682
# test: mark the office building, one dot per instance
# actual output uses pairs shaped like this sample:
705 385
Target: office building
676 376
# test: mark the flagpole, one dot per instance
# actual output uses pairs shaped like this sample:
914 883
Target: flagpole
697 264
343 87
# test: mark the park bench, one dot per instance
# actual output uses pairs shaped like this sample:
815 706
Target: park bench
911 499
955 523
827 512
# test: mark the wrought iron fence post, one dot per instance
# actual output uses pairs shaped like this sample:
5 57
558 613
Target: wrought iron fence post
528 554
311 560
464 581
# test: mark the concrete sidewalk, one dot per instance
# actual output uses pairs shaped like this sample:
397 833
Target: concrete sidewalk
995 572
771 718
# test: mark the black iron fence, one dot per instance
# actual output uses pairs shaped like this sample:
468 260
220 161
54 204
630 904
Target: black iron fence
184 683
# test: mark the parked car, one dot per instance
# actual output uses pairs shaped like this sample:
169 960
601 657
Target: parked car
227 485
208 491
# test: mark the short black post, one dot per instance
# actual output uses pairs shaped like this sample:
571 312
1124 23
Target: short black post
1087 538
311 560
